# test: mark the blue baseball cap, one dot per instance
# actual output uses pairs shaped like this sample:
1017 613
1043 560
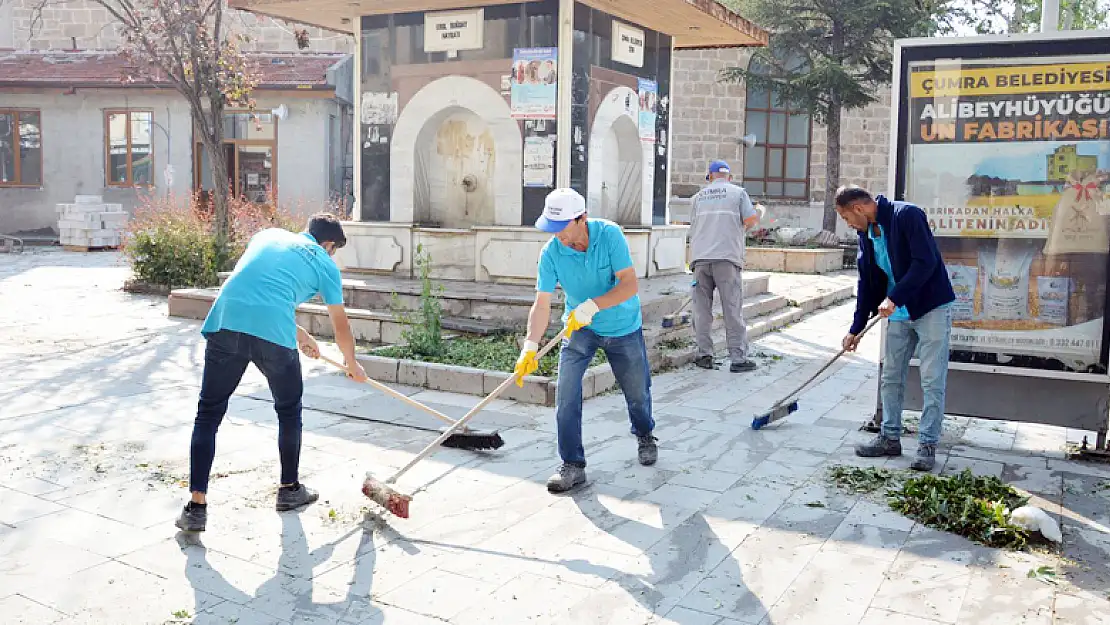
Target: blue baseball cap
561 207
718 167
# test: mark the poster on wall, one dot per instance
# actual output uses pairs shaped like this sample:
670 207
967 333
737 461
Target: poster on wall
378 108
649 99
1010 158
539 162
534 78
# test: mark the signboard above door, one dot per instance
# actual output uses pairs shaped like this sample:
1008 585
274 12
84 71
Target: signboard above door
628 44
453 31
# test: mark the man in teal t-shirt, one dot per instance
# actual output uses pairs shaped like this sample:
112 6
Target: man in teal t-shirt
253 321
590 260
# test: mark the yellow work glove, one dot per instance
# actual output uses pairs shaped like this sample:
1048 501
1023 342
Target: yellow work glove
581 317
526 364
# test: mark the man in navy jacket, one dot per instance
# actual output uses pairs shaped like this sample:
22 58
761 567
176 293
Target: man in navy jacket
901 277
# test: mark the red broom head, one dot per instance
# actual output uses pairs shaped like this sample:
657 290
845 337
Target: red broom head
381 493
399 505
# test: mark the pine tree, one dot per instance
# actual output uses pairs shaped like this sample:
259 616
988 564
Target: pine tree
829 56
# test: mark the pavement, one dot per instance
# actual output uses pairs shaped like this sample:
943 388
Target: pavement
731 527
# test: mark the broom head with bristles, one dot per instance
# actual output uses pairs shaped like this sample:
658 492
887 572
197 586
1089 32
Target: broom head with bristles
382 494
474 440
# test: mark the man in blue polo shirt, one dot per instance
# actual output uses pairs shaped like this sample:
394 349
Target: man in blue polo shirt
901 277
253 320
590 260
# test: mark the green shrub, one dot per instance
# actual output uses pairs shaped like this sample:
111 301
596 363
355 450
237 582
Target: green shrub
170 242
493 353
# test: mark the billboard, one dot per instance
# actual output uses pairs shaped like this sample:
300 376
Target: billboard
1010 157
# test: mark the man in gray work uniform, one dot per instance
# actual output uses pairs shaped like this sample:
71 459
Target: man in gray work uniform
719 217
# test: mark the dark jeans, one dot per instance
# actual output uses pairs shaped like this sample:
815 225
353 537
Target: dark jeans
627 356
225 360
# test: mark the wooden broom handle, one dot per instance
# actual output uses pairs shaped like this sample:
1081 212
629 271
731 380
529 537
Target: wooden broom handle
474 411
394 393
828 364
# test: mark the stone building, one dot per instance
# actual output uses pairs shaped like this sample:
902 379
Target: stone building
785 170
711 117
69 125
82 25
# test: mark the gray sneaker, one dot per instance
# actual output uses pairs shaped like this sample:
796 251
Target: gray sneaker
293 497
569 476
193 518
648 450
879 446
926 458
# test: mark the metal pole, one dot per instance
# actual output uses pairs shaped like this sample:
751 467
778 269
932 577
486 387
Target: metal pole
1050 15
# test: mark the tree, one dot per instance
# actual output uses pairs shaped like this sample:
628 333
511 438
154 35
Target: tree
1022 16
829 56
189 45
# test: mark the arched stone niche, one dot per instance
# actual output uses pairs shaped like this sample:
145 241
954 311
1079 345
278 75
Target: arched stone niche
456 157
621 167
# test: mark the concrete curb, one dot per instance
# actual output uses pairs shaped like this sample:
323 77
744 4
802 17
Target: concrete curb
539 390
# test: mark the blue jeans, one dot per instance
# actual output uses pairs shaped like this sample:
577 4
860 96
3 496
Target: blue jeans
628 357
226 357
929 336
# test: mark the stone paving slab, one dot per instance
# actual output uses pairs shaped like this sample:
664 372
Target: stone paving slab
731 527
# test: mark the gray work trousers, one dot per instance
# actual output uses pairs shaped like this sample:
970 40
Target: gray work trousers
725 277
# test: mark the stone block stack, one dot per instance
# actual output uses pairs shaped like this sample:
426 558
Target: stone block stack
89 223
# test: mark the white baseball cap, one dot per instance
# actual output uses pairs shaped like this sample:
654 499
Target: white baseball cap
560 208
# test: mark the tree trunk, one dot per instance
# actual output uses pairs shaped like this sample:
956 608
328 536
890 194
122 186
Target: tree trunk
217 160
832 163
220 191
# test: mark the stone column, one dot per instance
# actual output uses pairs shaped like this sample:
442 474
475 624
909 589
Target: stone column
563 146
356 131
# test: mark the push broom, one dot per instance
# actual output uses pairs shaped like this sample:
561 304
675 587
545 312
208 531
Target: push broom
458 440
396 502
785 406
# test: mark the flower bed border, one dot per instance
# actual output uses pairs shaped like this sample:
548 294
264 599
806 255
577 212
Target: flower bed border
456 379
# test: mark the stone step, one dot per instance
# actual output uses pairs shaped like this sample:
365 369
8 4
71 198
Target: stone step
763 313
665 356
508 305
366 325
674 347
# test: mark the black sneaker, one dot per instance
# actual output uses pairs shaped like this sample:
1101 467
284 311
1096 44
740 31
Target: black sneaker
649 451
879 446
743 366
293 497
705 362
926 458
569 476
193 518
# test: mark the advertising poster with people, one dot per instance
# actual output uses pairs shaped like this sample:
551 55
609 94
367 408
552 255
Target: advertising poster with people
649 98
534 82
1010 160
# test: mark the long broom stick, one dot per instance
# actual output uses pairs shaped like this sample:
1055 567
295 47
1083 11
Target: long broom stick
396 502
782 409
458 440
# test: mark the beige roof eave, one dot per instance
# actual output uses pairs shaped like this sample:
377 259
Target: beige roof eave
692 23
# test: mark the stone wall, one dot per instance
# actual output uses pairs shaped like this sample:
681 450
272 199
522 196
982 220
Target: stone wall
90 27
708 123
708 115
